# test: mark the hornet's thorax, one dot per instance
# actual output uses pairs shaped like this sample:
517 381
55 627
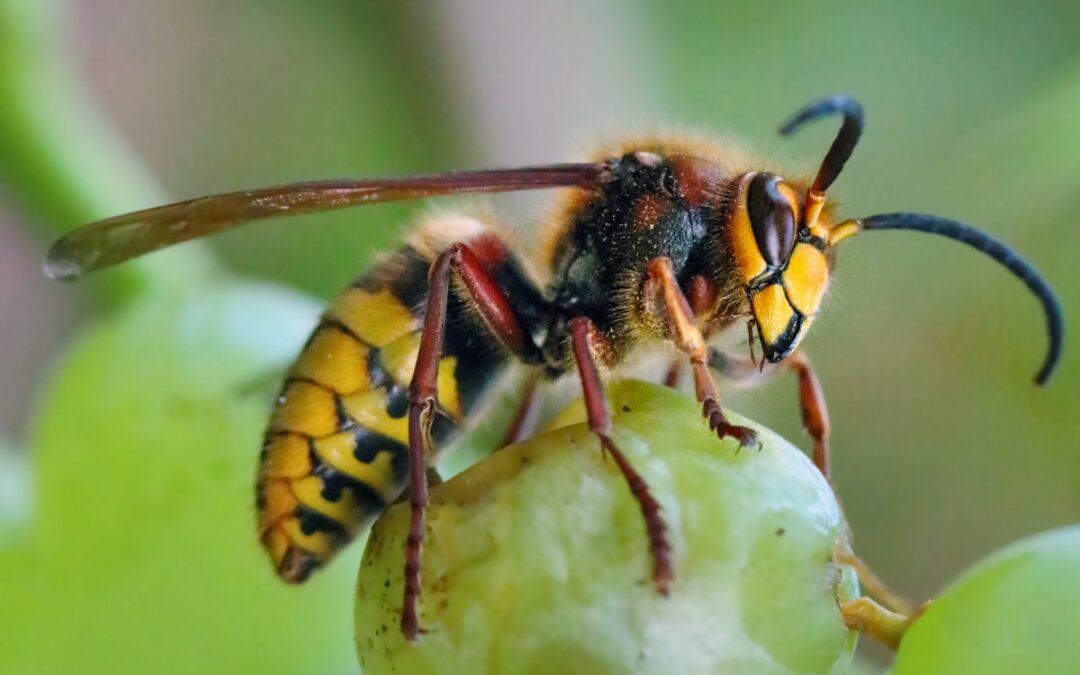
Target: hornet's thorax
733 239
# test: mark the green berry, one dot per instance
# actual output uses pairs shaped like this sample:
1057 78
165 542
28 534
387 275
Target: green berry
536 559
1017 611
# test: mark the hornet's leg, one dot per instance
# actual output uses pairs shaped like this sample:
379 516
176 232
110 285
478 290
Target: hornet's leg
673 374
584 334
498 315
662 290
525 418
815 415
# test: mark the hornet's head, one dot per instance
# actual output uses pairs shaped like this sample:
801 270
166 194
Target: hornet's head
781 261
781 242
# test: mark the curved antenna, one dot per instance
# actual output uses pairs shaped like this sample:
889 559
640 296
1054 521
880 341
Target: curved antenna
984 243
845 141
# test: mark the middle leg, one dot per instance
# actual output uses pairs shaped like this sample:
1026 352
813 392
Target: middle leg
583 333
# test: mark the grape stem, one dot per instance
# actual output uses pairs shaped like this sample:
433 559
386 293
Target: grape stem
871 582
867 616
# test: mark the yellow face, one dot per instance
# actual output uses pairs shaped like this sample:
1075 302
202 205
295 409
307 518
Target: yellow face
781 263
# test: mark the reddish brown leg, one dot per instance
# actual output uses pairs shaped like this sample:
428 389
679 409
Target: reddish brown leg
419 427
524 422
674 371
494 308
584 335
815 415
663 290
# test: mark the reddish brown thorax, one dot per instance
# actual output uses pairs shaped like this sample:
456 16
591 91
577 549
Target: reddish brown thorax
698 178
649 211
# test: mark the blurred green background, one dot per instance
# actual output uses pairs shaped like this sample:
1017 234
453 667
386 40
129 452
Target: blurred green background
943 450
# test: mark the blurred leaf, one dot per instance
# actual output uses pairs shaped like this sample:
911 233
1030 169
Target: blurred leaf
60 158
355 89
145 556
1039 140
15 492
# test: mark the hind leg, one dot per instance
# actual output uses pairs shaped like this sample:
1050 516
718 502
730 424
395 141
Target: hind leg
494 307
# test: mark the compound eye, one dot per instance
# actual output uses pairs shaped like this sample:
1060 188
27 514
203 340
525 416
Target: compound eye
771 217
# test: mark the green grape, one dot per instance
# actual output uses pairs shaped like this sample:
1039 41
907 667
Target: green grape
144 556
1017 611
536 559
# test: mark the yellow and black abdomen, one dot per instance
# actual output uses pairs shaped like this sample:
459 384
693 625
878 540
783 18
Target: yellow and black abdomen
336 450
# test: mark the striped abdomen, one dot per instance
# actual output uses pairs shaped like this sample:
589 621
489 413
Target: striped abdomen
335 453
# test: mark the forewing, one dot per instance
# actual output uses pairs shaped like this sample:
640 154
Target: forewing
114 240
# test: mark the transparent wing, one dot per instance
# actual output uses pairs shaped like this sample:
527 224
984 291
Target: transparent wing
114 240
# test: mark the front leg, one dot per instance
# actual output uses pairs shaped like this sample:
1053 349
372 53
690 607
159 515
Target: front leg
815 414
495 310
663 295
